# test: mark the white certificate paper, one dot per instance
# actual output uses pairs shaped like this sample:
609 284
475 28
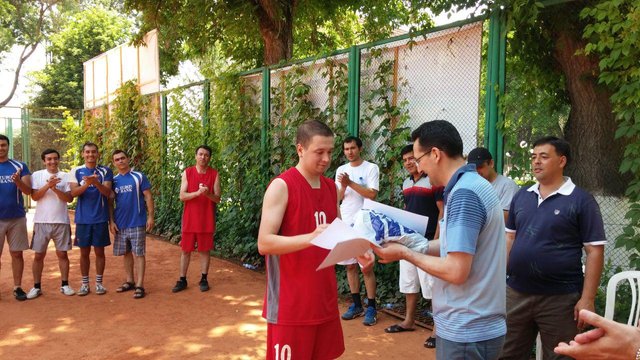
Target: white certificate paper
344 242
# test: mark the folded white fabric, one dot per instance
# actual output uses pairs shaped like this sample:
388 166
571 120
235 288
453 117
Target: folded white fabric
380 228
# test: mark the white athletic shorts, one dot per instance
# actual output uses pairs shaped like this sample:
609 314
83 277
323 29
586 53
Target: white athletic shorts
413 279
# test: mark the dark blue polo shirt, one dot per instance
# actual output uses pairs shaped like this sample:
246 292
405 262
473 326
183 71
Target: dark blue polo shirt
546 256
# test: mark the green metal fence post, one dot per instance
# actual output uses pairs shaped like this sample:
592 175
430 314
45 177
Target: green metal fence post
353 92
266 120
496 56
206 108
163 134
10 134
24 133
502 69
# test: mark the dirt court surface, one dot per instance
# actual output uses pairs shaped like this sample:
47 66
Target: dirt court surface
223 323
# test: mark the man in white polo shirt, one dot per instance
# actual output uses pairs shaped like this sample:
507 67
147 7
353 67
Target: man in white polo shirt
51 221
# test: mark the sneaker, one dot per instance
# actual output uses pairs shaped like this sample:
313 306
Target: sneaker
180 285
204 285
67 290
84 290
353 312
19 294
34 293
370 316
100 290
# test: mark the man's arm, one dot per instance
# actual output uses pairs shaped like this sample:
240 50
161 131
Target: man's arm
148 199
440 205
215 195
363 191
273 209
184 195
38 194
510 237
113 228
453 268
23 183
592 271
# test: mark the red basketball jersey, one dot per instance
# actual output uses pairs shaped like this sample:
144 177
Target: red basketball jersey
199 214
296 293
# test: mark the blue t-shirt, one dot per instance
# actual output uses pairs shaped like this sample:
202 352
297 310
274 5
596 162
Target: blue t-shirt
11 201
473 223
92 207
546 255
130 208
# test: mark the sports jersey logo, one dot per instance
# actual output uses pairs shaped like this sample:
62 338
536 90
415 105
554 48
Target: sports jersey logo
556 212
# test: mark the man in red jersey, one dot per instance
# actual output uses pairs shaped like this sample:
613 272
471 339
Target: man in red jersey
301 304
200 192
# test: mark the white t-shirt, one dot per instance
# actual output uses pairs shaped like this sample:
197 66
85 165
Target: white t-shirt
366 174
50 209
505 188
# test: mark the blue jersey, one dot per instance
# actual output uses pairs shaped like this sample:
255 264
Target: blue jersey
130 208
11 201
92 207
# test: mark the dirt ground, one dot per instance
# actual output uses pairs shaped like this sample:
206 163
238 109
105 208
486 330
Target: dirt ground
224 323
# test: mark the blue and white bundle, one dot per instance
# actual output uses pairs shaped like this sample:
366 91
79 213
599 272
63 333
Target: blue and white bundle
380 228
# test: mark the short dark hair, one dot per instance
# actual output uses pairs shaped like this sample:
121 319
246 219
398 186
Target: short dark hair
309 129
441 134
406 149
49 151
5 138
89 144
118 151
206 148
561 145
350 139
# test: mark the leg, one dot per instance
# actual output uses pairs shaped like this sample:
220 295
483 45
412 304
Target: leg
100 259
205 260
63 264
554 316
370 283
140 267
412 303
521 327
85 261
353 278
185 258
38 264
17 265
128 266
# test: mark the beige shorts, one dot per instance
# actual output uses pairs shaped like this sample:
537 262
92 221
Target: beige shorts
59 233
15 231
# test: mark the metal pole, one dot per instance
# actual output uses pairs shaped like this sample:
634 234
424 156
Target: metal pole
266 121
353 109
163 134
494 85
10 135
502 69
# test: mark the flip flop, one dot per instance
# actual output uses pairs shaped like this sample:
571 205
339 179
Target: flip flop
139 292
430 343
126 286
397 329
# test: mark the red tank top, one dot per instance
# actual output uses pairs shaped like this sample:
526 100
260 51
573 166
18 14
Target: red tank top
199 214
296 293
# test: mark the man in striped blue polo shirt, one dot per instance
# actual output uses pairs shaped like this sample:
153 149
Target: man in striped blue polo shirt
130 220
469 259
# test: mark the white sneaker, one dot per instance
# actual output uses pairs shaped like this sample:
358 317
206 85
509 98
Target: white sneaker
84 290
34 293
100 290
67 290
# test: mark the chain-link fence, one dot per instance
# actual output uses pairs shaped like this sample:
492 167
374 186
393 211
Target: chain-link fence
37 129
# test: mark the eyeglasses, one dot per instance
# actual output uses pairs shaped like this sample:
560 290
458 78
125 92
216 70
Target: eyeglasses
417 160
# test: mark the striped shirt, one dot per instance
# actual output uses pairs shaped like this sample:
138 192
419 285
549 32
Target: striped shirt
473 223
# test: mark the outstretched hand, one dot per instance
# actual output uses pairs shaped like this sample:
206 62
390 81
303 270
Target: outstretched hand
390 252
610 340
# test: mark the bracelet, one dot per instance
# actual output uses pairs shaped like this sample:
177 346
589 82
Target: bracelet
638 354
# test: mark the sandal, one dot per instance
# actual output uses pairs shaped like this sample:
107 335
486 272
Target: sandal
139 292
126 286
430 343
396 329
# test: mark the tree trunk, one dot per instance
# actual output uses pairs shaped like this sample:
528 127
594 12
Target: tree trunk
590 130
276 27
